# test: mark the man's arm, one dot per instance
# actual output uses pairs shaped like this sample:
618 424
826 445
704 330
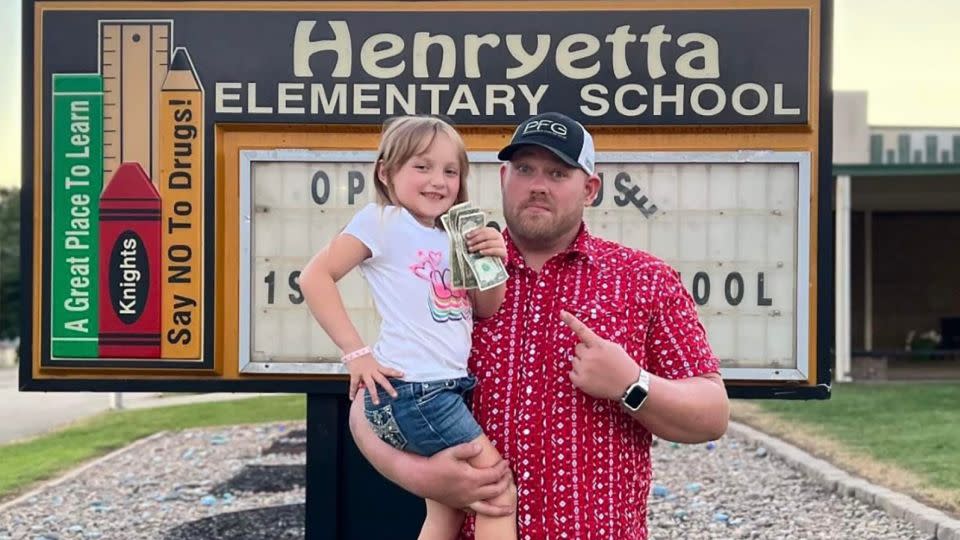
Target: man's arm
688 410
445 477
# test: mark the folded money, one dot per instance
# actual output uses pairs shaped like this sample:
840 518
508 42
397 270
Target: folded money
470 270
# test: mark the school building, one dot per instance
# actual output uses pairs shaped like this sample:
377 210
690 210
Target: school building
897 211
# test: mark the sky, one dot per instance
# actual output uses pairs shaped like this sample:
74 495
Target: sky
903 54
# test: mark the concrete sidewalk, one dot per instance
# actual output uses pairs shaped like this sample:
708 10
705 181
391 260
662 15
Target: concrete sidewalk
25 415
935 523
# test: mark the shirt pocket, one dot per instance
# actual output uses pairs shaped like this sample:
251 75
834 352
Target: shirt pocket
608 319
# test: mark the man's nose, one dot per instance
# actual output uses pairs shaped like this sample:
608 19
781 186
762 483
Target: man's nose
538 183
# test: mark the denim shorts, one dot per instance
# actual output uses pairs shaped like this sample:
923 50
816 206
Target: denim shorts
425 417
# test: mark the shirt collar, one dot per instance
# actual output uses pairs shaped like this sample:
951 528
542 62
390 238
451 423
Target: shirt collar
583 246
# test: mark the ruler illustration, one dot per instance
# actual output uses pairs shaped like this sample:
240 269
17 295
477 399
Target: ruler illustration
134 55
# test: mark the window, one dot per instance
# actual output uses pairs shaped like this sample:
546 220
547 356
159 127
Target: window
931 148
903 148
876 148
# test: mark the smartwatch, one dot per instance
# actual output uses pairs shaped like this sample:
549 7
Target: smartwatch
636 394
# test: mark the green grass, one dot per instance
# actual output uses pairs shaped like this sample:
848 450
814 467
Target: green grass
24 463
913 426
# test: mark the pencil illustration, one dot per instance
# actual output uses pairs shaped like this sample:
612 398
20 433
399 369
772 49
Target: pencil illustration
181 189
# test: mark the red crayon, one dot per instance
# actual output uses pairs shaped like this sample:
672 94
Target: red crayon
130 266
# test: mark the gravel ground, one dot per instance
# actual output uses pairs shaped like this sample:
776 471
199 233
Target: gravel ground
170 481
732 489
247 482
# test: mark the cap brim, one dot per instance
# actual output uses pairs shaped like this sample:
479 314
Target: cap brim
507 152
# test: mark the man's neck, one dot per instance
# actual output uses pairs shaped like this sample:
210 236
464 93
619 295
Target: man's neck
536 255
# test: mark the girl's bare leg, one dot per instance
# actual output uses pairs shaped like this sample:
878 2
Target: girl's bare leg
495 528
442 523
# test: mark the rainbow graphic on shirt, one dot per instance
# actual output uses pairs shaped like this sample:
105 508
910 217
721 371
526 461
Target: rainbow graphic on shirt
445 302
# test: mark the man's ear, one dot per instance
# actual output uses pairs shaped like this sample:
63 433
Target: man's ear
591 188
503 174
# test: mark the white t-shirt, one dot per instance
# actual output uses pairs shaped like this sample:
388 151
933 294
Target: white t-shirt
427 323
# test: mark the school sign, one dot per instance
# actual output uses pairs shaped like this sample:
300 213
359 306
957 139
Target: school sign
625 68
183 160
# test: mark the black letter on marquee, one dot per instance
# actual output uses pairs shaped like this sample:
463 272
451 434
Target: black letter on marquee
317 198
622 183
628 194
294 281
731 299
355 185
701 279
761 301
269 281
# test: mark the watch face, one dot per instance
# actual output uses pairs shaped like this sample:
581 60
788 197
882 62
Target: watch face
635 397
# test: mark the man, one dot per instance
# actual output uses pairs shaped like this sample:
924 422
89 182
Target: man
595 347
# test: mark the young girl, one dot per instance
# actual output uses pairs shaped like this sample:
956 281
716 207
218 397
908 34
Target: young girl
415 375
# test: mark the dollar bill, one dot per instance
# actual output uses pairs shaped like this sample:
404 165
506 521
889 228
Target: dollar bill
470 270
457 208
469 275
458 249
488 271
456 268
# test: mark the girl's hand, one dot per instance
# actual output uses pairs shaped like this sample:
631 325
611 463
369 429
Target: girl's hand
487 241
367 371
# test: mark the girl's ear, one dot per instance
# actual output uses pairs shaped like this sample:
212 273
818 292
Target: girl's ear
381 174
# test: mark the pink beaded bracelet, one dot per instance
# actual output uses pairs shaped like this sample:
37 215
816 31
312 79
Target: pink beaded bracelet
355 354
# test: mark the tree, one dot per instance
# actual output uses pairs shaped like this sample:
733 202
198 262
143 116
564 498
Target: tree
10 294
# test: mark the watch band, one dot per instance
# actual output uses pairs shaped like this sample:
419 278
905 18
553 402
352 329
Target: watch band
641 386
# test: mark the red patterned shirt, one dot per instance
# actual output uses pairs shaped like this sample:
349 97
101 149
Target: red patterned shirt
582 465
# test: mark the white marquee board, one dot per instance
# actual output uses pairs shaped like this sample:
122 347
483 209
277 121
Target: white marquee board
735 224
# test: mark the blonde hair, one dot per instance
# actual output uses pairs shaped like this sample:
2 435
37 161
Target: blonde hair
408 136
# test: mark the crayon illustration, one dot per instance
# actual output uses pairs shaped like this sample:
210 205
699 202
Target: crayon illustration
130 266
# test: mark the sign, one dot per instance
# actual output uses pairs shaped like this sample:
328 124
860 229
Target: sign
187 158
127 180
729 223
663 67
